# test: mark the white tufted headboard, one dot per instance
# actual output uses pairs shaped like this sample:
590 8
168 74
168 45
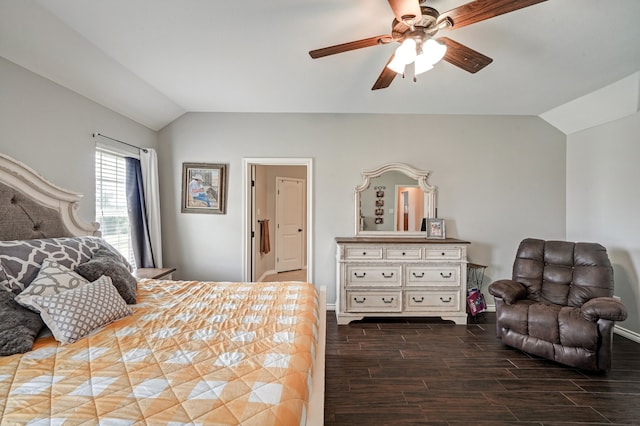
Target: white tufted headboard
32 207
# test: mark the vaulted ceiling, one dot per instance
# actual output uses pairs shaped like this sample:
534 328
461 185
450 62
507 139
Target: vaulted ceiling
153 60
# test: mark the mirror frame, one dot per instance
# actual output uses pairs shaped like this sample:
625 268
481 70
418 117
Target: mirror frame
421 176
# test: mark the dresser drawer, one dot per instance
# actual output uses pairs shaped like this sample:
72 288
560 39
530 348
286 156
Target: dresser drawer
374 301
377 276
444 253
433 300
359 253
411 253
446 275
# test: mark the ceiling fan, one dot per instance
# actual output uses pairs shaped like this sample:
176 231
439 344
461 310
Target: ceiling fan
416 25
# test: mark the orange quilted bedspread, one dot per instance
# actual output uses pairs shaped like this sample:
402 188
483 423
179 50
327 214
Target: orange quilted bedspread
192 353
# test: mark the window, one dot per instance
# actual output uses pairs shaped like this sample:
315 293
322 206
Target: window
111 202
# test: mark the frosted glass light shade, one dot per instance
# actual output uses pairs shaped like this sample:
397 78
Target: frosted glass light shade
396 65
422 64
405 54
433 51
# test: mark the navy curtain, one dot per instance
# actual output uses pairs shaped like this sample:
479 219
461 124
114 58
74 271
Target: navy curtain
141 243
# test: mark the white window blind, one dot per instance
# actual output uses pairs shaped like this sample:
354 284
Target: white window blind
111 202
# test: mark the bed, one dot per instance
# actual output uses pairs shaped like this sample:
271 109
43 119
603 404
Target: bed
162 352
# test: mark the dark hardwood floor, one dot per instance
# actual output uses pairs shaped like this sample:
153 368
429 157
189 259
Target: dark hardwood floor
430 372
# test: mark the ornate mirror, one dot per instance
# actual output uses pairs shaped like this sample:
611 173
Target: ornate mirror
393 200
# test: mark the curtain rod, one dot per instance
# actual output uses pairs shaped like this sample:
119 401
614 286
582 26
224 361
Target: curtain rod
125 143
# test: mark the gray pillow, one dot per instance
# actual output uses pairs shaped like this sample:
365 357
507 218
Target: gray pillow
20 261
105 262
18 325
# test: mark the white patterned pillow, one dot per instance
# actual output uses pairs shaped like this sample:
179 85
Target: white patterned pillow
52 278
73 314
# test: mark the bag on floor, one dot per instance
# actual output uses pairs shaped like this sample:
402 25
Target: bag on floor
475 301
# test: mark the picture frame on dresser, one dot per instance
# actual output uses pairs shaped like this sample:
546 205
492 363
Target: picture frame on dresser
204 188
436 228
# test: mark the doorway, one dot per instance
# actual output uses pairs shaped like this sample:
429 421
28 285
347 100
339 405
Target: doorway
259 207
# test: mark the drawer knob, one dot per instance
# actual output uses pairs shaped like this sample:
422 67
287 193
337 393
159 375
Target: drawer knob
364 253
359 276
416 300
446 276
442 253
418 276
390 275
445 301
387 301
403 253
355 299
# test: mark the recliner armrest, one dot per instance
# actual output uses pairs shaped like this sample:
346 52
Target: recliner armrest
508 290
604 308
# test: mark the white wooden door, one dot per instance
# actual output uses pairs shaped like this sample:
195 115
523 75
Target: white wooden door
289 223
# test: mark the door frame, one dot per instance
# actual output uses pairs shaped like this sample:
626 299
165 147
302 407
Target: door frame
247 208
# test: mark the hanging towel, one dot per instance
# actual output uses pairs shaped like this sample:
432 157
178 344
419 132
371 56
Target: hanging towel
264 237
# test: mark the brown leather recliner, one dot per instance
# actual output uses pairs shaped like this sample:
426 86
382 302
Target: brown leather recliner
558 305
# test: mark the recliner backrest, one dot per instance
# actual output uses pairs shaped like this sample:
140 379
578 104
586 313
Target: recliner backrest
562 272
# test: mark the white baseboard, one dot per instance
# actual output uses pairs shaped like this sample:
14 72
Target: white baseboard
265 274
273 272
631 335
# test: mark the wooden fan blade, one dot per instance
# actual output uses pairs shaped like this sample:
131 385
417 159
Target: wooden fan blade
352 45
406 8
386 76
479 10
464 57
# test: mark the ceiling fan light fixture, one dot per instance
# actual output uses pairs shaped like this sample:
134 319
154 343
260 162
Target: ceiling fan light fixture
422 64
405 54
432 52
396 65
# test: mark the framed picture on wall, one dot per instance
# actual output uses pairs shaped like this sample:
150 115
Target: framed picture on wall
204 188
435 228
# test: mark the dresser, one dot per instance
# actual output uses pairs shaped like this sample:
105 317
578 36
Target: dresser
401 277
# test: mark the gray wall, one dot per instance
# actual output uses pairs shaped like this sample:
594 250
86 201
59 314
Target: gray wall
500 179
50 129
603 201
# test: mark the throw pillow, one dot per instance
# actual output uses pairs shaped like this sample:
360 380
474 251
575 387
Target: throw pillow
107 250
19 326
104 262
73 314
53 278
20 260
